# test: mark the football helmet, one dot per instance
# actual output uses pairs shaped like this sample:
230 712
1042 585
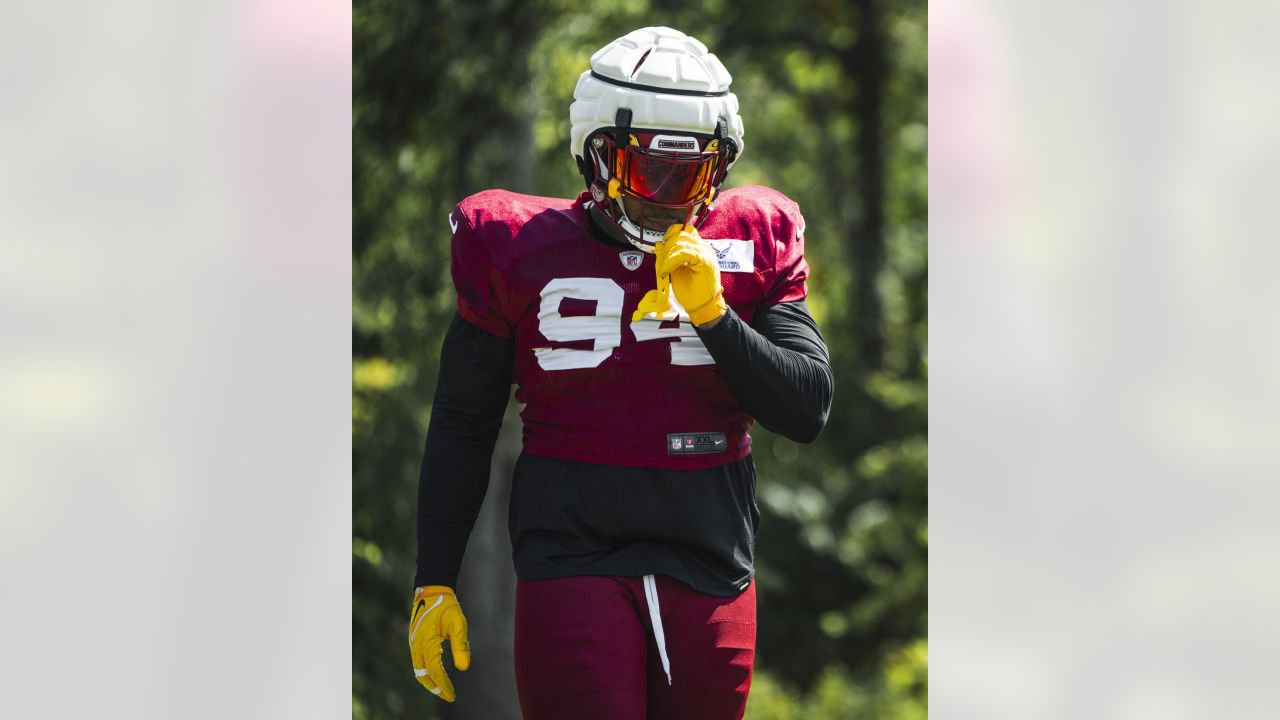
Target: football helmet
654 130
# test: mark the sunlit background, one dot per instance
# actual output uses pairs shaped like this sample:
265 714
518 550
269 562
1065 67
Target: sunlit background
455 97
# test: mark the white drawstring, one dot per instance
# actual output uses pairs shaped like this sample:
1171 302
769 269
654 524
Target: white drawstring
651 598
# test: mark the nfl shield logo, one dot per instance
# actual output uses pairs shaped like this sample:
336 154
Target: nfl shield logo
631 259
675 443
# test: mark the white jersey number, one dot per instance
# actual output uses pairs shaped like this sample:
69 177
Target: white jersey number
604 328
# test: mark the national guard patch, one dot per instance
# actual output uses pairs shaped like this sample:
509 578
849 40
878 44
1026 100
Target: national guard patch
734 255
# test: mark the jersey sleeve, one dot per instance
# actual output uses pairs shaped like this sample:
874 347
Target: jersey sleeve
789 266
475 278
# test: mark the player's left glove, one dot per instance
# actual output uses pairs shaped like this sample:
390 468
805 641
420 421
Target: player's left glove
695 273
437 616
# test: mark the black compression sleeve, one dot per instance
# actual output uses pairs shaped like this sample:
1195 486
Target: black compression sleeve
777 367
471 397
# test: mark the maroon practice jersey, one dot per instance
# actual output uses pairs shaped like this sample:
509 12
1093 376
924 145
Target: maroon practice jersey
596 386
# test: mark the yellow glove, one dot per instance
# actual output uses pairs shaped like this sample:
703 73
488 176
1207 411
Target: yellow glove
695 273
657 301
435 617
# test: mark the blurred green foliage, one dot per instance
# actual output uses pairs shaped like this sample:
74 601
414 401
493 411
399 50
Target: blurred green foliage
898 692
452 97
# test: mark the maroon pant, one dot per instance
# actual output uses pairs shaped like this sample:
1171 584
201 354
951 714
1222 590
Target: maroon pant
585 647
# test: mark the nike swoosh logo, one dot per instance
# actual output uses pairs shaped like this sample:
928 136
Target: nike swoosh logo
719 442
453 224
439 599
416 609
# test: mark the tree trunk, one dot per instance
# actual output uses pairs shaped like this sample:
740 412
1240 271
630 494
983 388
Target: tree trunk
865 63
487 591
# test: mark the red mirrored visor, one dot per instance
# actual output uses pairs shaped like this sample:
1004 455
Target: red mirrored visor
668 169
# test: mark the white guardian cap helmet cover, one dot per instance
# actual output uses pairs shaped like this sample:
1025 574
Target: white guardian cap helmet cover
653 122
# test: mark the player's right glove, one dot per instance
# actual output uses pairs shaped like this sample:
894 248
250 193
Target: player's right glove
695 274
435 617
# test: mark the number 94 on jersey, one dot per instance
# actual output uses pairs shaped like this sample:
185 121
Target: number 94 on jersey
603 327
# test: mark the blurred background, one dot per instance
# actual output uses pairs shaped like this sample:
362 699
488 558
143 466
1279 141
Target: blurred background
451 98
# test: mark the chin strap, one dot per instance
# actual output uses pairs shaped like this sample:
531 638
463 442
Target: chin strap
603 228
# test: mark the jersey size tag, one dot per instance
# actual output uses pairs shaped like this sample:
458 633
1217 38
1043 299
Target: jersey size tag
696 443
734 255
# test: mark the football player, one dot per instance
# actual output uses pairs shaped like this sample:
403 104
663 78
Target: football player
646 325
